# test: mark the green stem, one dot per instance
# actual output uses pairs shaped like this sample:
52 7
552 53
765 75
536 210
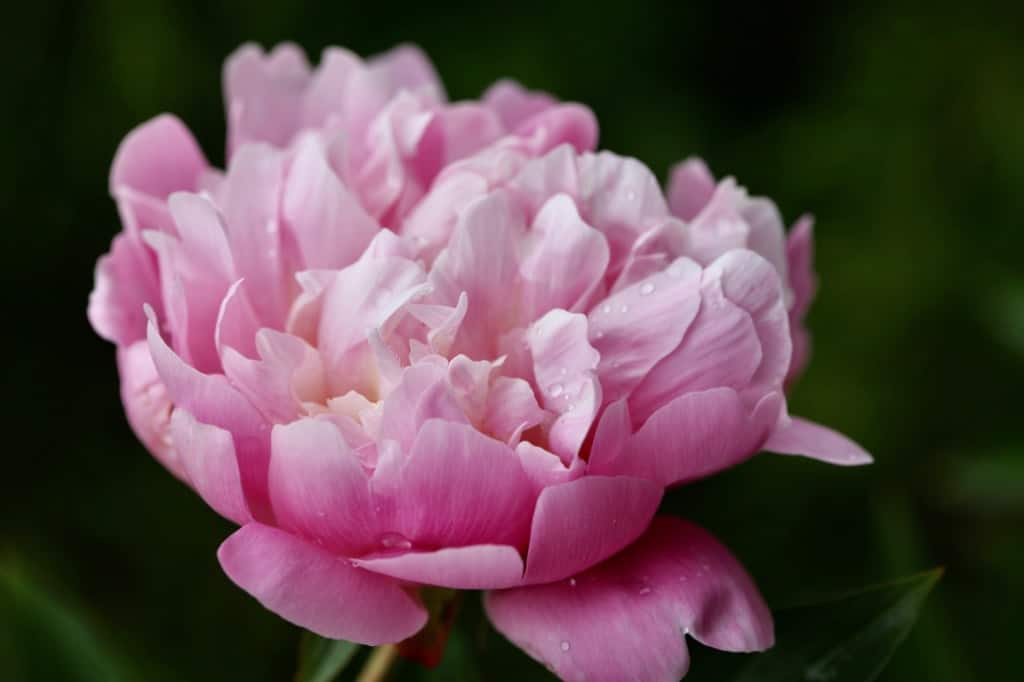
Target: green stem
379 664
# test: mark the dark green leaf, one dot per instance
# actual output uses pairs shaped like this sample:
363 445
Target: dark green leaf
849 639
321 660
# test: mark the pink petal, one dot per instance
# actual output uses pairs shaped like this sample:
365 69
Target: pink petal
125 281
422 394
564 364
582 522
690 187
739 339
626 619
157 158
263 94
695 435
477 567
802 437
147 404
318 487
514 103
804 283
663 305
405 67
208 460
288 373
572 124
567 261
250 204
457 487
317 590
329 225
211 399
511 409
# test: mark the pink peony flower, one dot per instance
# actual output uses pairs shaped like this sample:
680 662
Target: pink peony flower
405 343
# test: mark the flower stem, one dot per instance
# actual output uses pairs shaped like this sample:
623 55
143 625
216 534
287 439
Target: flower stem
379 664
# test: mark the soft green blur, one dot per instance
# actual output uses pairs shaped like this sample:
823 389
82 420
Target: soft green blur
899 128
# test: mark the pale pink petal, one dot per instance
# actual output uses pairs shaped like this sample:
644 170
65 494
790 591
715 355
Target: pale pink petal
739 339
319 489
514 103
157 158
125 281
477 567
236 323
564 365
695 435
544 468
511 408
690 187
249 204
663 305
566 261
367 294
572 124
317 590
627 619
211 399
457 487
326 220
405 67
804 284
423 393
288 373
207 456
324 105
467 128
147 404
263 94
802 437
585 521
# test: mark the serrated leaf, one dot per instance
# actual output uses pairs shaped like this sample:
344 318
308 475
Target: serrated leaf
321 659
849 639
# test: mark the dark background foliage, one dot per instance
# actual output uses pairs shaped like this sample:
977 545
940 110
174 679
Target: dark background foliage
899 127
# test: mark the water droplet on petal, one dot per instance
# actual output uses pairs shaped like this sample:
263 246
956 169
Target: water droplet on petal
599 335
395 541
645 590
565 645
624 309
606 309
647 289
572 582
555 390
630 195
563 371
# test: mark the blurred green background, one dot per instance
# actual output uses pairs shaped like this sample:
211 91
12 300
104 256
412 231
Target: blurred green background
900 127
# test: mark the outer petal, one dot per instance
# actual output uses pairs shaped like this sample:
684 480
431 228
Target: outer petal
208 460
693 436
147 404
626 618
319 489
157 158
582 522
514 103
477 567
317 590
804 284
801 437
125 281
458 487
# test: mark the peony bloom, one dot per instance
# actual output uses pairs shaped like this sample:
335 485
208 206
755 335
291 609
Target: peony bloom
405 344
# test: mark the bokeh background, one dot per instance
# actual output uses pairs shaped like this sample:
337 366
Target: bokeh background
900 127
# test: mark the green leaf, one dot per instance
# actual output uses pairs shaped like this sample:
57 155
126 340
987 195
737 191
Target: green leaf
849 639
44 638
321 660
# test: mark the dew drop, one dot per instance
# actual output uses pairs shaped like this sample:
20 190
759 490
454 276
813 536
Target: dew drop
606 309
572 582
631 195
599 335
645 590
555 390
395 541
647 289
624 308
563 371
565 645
